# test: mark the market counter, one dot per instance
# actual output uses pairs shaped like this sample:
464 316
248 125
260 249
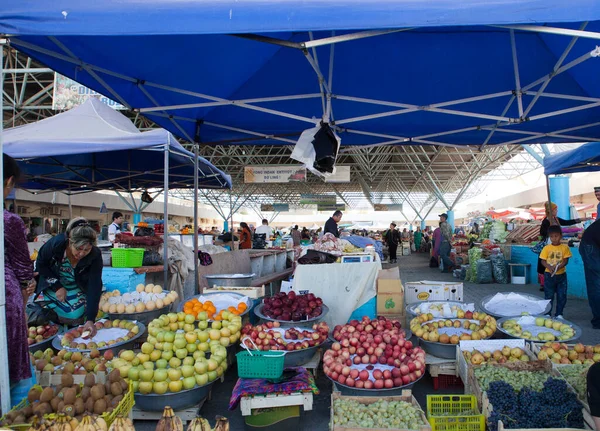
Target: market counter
575 274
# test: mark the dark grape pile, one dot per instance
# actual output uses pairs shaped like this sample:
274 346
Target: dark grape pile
553 407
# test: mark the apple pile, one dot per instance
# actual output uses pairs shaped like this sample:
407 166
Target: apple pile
37 334
270 336
506 354
373 355
71 362
479 326
292 307
560 353
557 330
76 338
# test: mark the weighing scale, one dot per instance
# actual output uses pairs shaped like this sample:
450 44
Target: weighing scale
358 258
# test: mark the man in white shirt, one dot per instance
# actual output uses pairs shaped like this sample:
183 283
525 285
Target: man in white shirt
264 229
115 227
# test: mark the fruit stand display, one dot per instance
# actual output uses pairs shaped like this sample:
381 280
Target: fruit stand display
292 309
561 353
211 306
49 366
111 334
145 304
40 337
539 328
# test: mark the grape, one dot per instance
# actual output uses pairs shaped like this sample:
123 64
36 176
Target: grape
487 374
380 414
576 376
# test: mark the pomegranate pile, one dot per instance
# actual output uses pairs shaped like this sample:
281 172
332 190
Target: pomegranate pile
292 307
373 354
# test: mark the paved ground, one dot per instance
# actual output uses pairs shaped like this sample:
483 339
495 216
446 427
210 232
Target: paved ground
412 268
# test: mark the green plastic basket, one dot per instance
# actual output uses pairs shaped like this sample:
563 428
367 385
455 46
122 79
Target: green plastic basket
454 413
258 364
127 257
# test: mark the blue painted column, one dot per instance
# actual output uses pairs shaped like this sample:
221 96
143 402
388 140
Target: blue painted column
410 227
225 226
560 195
451 219
137 218
423 225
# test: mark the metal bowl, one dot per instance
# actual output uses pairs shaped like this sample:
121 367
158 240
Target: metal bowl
347 390
410 308
177 401
301 323
233 280
44 344
578 330
250 304
144 317
498 316
116 348
443 350
297 358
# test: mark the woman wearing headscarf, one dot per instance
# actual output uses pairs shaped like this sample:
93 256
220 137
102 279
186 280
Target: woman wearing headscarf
418 239
245 236
550 219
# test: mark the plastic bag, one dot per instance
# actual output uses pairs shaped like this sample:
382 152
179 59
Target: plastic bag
484 272
304 151
499 269
152 258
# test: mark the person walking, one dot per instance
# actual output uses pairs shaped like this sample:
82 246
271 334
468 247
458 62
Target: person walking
446 243
418 239
392 239
296 236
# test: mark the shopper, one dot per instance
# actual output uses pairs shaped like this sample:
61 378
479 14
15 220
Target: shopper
593 393
245 236
405 235
445 243
305 234
18 281
551 219
115 227
70 268
589 248
418 239
436 239
296 236
555 257
392 239
331 225
264 229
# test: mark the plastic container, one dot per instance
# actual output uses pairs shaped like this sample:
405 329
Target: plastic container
447 381
447 413
258 364
127 257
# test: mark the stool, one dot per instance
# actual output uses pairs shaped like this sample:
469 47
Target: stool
519 279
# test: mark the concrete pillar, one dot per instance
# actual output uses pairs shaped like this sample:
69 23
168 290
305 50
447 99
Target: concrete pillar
423 225
226 226
451 218
560 193
137 217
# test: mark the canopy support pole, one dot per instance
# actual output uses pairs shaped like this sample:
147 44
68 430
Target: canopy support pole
4 374
166 212
231 219
196 268
70 206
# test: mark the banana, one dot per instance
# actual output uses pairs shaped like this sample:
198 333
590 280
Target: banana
169 422
100 424
222 424
199 424
122 424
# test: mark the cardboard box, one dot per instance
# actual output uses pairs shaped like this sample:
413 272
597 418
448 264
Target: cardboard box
390 293
433 291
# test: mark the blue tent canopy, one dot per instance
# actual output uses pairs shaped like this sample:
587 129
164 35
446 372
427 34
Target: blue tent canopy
93 147
383 72
585 158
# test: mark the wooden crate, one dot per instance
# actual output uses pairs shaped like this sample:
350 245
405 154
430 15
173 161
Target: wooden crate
406 396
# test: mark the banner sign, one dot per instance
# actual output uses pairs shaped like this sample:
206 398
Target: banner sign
310 199
388 207
329 207
275 207
68 94
274 174
342 175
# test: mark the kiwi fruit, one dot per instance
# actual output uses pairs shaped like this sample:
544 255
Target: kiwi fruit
41 409
107 386
54 404
89 405
77 388
67 380
116 389
34 394
46 395
100 406
61 406
97 392
69 410
79 406
89 381
115 401
28 411
124 386
19 419
85 393
114 376
69 396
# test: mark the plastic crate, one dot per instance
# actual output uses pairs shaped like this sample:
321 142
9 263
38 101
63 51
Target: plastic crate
127 257
447 381
447 413
258 364
124 407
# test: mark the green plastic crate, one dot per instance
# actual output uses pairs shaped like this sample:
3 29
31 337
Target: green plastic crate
257 364
127 257
454 413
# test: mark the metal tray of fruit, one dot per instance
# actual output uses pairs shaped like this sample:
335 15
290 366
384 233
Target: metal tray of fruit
300 323
347 390
249 301
116 348
296 358
177 400
411 313
439 350
578 330
144 317
500 316
44 344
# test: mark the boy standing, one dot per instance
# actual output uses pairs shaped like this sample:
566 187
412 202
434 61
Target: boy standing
555 257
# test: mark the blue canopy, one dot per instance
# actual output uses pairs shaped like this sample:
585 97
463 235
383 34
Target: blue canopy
93 147
441 72
585 158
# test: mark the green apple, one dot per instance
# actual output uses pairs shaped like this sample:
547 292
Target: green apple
203 316
160 375
133 374
174 374
175 385
159 346
203 324
147 348
188 360
179 343
160 387
189 318
160 337
189 382
148 365
201 379
204 347
174 362
188 327
198 354
187 371
191 348
167 354
191 337
167 346
136 361
162 363
548 323
145 387
172 317
169 337
220 371
200 368
146 376
212 365
135 386
539 321
124 370
212 376
216 325
181 353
